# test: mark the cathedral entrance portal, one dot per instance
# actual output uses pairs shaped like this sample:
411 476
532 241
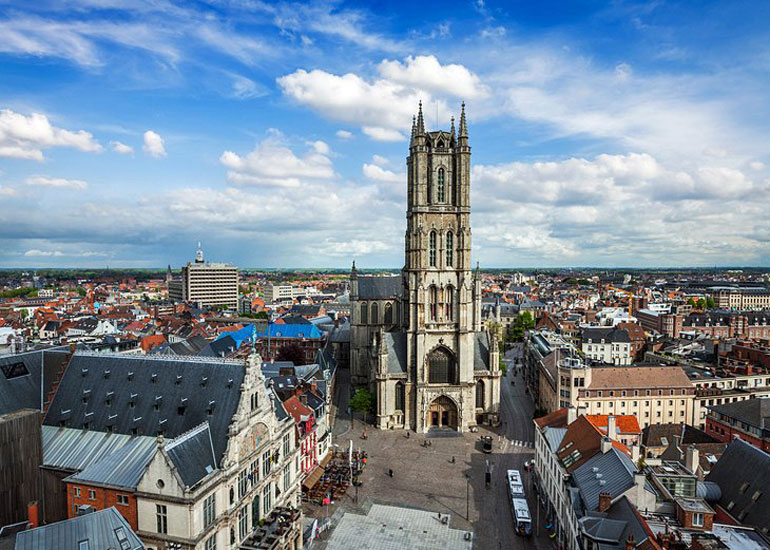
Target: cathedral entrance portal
442 413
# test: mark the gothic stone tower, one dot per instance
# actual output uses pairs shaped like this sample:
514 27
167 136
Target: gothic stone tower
446 373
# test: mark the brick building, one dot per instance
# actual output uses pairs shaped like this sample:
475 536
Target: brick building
748 420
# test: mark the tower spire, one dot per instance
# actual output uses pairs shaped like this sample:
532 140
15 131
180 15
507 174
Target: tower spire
414 130
463 126
452 133
420 121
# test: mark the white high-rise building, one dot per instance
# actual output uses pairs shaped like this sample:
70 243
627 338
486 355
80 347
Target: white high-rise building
206 283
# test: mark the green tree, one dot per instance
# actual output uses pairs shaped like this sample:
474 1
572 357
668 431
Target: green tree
710 303
81 291
362 402
521 325
261 315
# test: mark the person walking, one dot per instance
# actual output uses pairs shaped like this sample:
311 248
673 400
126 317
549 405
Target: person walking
390 472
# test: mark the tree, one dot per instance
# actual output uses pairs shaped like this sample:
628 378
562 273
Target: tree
293 353
521 325
261 315
362 401
710 303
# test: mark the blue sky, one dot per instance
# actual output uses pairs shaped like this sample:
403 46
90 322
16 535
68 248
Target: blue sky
603 133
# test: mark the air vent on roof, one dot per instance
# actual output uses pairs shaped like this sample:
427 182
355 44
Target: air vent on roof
230 383
162 421
178 379
137 418
203 381
602 482
83 372
112 417
130 375
107 373
154 378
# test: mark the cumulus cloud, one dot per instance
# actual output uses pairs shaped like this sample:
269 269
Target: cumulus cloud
377 173
344 134
153 144
25 136
121 148
273 163
59 183
382 107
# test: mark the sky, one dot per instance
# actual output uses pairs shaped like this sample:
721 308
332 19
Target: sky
275 133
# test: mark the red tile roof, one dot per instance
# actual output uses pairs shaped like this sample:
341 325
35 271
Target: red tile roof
626 423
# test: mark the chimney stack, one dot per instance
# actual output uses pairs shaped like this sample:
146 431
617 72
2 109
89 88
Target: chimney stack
605 501
692 459
611 427
571 414
33 516
606 445
635 453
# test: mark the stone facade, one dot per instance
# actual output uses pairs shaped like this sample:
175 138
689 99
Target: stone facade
416 338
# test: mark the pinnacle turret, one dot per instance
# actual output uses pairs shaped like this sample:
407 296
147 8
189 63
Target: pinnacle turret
452 133
420 121
414 130
463 126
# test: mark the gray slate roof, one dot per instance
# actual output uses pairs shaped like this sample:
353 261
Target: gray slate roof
193 454
617 473
101 529
395 344
751 411
608 334
20 377
481 351
379 288
163 382
741 464
70 449
553 437
123 468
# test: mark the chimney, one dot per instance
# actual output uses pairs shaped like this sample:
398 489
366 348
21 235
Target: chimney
571 414
606 445
630 543
635 453
605 501
611 427
33 516
692 459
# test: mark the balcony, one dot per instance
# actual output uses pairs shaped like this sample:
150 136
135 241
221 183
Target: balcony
281 530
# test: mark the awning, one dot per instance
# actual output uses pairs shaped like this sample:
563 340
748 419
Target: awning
325 460
313 478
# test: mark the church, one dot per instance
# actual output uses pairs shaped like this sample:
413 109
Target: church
416 338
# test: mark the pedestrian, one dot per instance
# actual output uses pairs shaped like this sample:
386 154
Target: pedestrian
453 460
390 472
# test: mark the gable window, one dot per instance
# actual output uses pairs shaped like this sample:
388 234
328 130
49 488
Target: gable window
161 518
432 250
364 313
441 187
449 249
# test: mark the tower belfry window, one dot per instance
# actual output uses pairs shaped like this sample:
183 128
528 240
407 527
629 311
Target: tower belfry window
449 249
432 251
433 299
441 186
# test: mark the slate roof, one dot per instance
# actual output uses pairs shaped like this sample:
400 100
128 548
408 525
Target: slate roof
608 334
553 437
617 473
190 346
481 351
395 344
743 464
379 287
185 392
750 411
72 449
20 377
654 434
122 468
612 528
101 529
193 454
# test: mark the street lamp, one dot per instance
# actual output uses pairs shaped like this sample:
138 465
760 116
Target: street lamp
467 495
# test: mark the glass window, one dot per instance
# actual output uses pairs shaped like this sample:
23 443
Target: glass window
266 500
211 542
441 187
286 477
400 396
266 463
441 367
433 299
432 250
449 249
286 445
161 518
388 313
123 499
449 296
209 509
243 481
243 522
364 314
375 314
480 394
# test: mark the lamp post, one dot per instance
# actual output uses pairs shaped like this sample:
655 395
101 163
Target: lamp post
467 497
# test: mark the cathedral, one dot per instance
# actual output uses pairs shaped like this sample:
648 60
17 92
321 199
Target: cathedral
416 338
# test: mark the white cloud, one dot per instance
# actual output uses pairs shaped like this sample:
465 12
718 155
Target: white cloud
25 137
60 183
273 163
383 107
424 72
34 252
380 160
756 165
37 253
344 134
121 148
153 144
374 172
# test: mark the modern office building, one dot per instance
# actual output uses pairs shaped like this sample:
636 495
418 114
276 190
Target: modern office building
206 283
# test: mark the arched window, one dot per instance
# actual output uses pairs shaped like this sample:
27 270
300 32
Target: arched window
432 302
441 187
400 396
480 394
449 303
450 243
388 313
432 251
364 314
375 314
441 367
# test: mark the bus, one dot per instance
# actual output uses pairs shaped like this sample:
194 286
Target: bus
519 507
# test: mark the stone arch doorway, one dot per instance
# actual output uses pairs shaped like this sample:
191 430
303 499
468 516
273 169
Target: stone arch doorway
442 413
